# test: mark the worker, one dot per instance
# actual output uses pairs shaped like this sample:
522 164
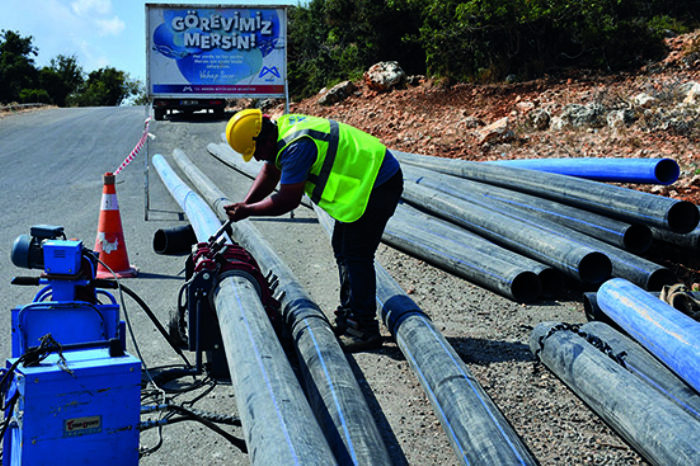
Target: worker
346 172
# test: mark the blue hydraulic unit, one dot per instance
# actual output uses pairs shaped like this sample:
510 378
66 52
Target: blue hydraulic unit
70 393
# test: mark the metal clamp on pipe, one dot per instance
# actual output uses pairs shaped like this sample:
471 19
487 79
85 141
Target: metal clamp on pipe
197 322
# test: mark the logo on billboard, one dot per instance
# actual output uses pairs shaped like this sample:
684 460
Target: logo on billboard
267 70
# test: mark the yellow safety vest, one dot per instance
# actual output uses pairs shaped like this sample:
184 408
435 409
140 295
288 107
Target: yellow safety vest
348 161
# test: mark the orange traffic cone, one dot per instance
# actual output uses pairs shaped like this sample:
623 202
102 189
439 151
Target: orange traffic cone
110 237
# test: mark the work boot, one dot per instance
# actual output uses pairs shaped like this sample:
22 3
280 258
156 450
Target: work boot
360 336
340 323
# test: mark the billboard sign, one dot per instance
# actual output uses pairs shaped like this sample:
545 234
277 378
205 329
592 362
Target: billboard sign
207 50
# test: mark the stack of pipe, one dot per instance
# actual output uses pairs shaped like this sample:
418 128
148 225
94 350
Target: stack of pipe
278 423
587 230
476 429
335 396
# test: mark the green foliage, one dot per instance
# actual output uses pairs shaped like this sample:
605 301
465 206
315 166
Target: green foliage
62 83
34 96
17 71
490 39
104 87
336 40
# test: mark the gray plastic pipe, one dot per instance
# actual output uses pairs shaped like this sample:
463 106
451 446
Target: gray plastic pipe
331 386
625 204
466 254
279 426
647 274
655 171
635 238
576 260
476 429
652 424
645 366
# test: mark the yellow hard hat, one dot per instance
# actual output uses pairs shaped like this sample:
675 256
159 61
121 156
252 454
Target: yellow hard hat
241 131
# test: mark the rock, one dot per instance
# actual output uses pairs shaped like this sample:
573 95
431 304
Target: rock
472 122
415 80
540 119
385 76
584 115
645 100
620 118
339 92
496 131
692 93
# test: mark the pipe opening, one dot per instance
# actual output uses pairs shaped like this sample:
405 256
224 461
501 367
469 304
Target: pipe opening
594 268
174 241
683 217
667 171
660 277
526 287
637 239
552 283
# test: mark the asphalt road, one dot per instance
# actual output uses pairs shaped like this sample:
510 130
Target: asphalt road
53 163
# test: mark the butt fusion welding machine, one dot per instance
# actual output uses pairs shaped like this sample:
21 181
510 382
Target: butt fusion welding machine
70 393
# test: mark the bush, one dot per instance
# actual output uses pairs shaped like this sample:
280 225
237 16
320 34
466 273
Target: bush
477 40
34 96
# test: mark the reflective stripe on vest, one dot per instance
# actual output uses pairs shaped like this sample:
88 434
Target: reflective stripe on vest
331 138
348 161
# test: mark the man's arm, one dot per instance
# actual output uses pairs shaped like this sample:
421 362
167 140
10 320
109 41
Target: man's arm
286 199
264 183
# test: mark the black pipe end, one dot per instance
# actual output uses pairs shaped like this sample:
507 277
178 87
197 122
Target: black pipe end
667 171
637 239
594 268
552 283
683 217
174 241
593 311
526 287
659 278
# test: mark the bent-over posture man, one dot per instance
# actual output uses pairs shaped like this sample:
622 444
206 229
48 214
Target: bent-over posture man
346 172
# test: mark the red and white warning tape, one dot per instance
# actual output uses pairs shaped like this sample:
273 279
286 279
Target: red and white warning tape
136 150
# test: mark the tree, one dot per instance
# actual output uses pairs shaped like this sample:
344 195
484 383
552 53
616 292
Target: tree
63 77
17 70
105 87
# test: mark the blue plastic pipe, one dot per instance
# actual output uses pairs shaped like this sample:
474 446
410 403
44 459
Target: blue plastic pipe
618 202
654 171
663 330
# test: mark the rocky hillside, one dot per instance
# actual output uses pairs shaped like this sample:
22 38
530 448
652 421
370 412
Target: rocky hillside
654 113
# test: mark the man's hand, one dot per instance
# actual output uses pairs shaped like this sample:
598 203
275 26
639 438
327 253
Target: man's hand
237 211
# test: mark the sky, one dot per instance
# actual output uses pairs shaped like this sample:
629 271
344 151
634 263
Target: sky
99 33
